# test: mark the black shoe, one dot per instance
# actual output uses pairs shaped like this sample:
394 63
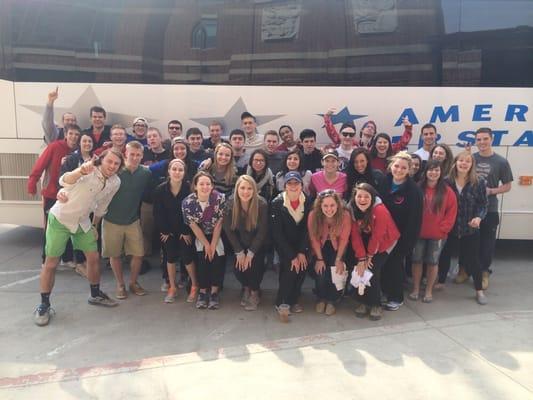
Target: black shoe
201 301
42 314
214 302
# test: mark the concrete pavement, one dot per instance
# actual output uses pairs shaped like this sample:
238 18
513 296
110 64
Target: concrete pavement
147 349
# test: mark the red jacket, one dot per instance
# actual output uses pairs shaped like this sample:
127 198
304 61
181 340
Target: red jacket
437 226
383 233
50 163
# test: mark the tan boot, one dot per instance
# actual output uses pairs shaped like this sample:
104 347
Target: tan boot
461 277
485 280
81 269
330 309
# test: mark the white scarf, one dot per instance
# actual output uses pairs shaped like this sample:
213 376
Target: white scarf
297 214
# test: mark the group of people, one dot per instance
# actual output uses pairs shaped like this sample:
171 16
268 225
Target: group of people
358 215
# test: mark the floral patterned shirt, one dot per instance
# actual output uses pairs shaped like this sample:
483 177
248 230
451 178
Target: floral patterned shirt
207 217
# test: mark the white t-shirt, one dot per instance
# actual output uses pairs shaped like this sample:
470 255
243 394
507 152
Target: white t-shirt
344 157
423 154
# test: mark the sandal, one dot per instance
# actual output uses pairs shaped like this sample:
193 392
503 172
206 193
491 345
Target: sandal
413 296
427 299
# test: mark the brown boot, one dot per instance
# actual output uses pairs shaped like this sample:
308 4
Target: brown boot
375 313
485 280
461 277
81 269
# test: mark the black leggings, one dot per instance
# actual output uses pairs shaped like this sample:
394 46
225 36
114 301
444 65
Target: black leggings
325 289
468 248
176 249
487 232
372 296
392 275
253 276
210 273
290 283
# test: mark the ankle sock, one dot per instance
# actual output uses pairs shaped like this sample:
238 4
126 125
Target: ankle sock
45 298
95 290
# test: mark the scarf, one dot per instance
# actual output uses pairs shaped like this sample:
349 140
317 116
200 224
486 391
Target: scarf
297 214
267 178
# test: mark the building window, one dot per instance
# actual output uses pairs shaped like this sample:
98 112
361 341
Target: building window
204 34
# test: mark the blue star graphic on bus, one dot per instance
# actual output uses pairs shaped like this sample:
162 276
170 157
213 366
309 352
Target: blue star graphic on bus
343 116
232 118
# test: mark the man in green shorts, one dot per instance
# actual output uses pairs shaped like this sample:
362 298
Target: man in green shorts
121 228
89 188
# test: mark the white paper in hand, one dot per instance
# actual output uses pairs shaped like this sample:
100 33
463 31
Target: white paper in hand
364 280
339 280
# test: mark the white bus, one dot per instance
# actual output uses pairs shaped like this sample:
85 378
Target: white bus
459 64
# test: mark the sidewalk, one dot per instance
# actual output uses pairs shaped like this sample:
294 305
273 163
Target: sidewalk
147 349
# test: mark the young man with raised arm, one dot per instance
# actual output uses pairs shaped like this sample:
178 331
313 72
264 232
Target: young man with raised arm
88 189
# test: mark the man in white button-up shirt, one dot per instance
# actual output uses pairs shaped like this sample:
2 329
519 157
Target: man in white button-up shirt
88 189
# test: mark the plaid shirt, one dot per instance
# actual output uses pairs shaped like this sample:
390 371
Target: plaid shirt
472 202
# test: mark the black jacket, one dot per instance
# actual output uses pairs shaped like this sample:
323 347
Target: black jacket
405 206
73 161
374 178
104 137
168 216
289 237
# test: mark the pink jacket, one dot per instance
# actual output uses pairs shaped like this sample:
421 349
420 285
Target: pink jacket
341 240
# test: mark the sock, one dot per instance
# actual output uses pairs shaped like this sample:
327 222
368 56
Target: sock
95 290
45 298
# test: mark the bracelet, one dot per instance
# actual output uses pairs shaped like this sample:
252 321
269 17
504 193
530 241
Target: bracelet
320 259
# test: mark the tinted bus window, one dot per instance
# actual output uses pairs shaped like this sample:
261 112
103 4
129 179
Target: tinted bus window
296 42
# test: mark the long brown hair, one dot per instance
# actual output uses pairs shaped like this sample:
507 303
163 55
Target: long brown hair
446 165
319 219
472 175
440 189
364 216
252 215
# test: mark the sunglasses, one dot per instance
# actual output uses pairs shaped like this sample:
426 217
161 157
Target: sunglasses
326 193
348 133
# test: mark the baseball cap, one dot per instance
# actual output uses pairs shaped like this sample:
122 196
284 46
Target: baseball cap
293 175
141 120
330 153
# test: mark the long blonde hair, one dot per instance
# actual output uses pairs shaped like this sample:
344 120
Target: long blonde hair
320 219
472 174
230 172
252 215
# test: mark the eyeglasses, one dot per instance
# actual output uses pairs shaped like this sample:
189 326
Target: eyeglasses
174 128
137 125
347 133
326 193
258 160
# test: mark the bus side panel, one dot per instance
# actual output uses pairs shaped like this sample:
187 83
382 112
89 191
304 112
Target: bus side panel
516 207
7 105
